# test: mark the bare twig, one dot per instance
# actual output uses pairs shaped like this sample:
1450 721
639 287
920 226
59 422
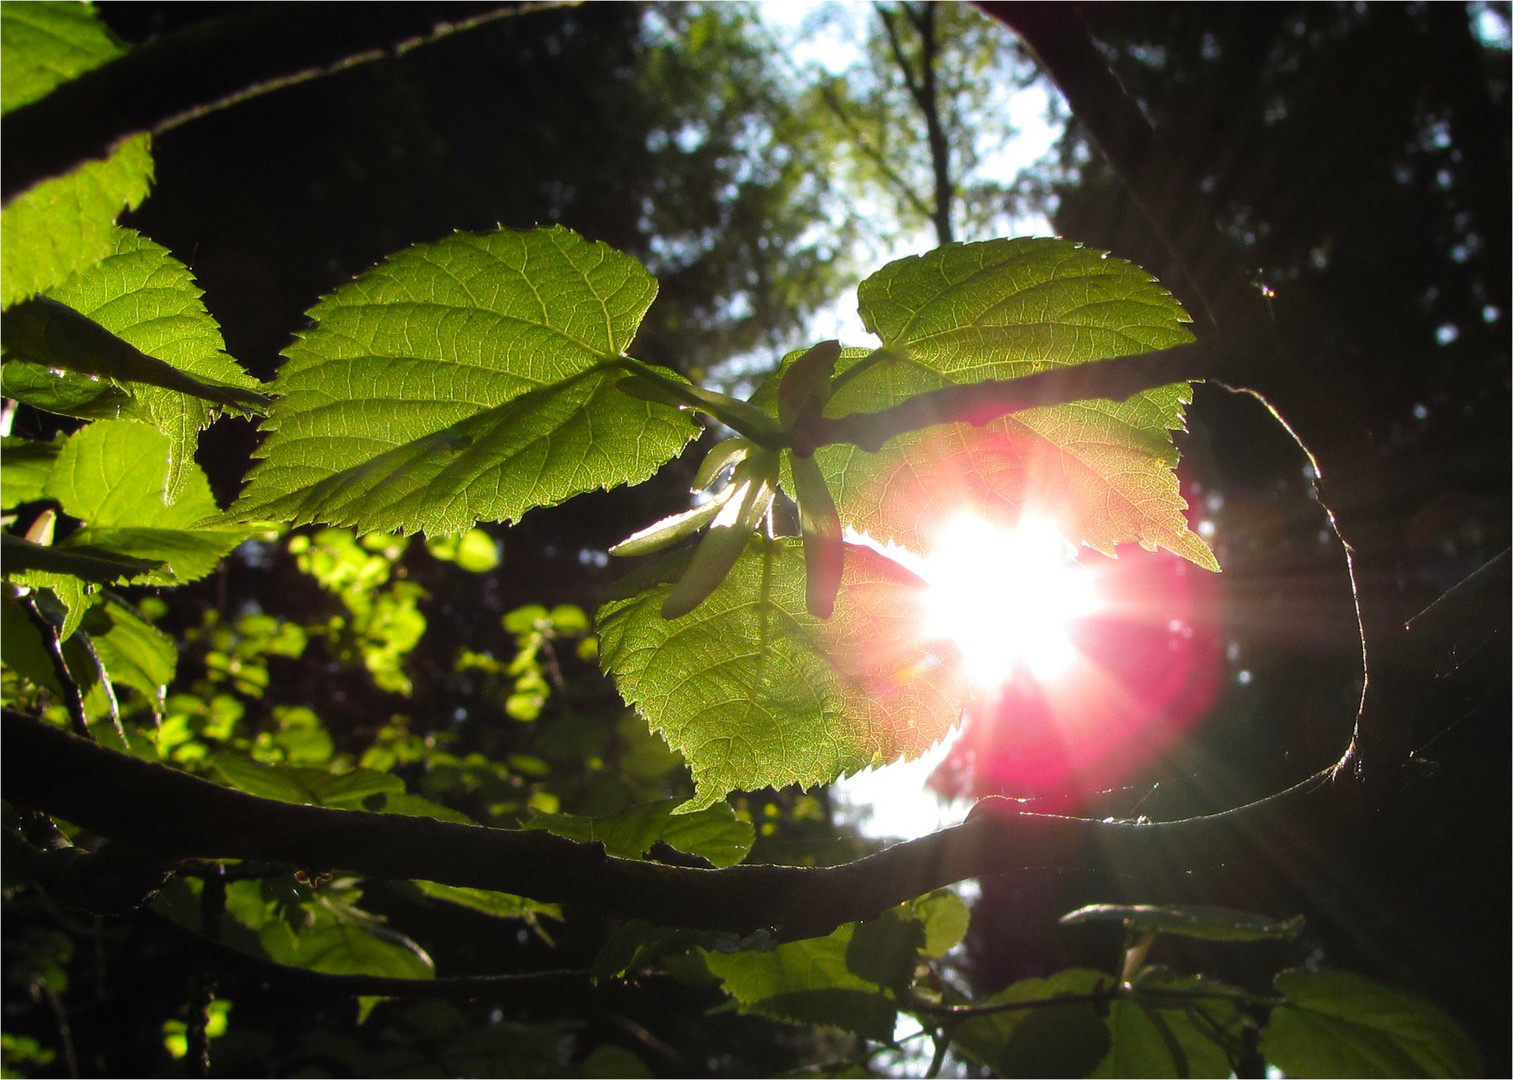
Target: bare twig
211 66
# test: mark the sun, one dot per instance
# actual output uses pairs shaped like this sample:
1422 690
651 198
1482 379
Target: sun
1008 598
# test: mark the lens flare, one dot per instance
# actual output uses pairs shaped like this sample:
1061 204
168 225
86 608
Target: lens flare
1009 598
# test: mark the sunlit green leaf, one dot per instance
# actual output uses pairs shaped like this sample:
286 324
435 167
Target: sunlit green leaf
946 917
1049 1040
999 310
755 691
807 982
149 303
463 381
113 475
714 833
43 45
1335 1023
64 224
503 905
24 465
136 653
303 783
474 551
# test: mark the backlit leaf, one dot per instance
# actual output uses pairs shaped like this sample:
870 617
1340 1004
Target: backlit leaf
1335 1023
43 45
24 465
1002 309
147 299
714 834
136 653
463 381
503 905
755 691
807 982
113 476
65 224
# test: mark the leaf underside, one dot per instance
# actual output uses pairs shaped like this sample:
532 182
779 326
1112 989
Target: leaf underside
461 381
753 690
1103 470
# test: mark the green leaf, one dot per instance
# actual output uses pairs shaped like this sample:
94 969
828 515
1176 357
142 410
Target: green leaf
614 1063
113 475
161 342
885 950
79 560
1051 1040
304 784
966 313
946 918
24 465
67 223
134 652
62 224
340 947
1189 920
415 806
472 379
807 982
504 905
714 834
473 551
1334 1023
43 45
1157 1031
755 691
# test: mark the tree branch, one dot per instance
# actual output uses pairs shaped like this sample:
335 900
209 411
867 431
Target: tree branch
923 91
212 65
166 813
978 403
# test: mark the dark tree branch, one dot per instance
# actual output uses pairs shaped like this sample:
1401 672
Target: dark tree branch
168 814
923 90
210 66
978 403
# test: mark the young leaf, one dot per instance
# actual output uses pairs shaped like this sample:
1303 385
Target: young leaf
754 482
502 905
1335 1023
1189 920
471 379
755 691
112 475
824 546
997 310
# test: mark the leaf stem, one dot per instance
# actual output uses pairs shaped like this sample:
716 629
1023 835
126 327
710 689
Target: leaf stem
740 416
